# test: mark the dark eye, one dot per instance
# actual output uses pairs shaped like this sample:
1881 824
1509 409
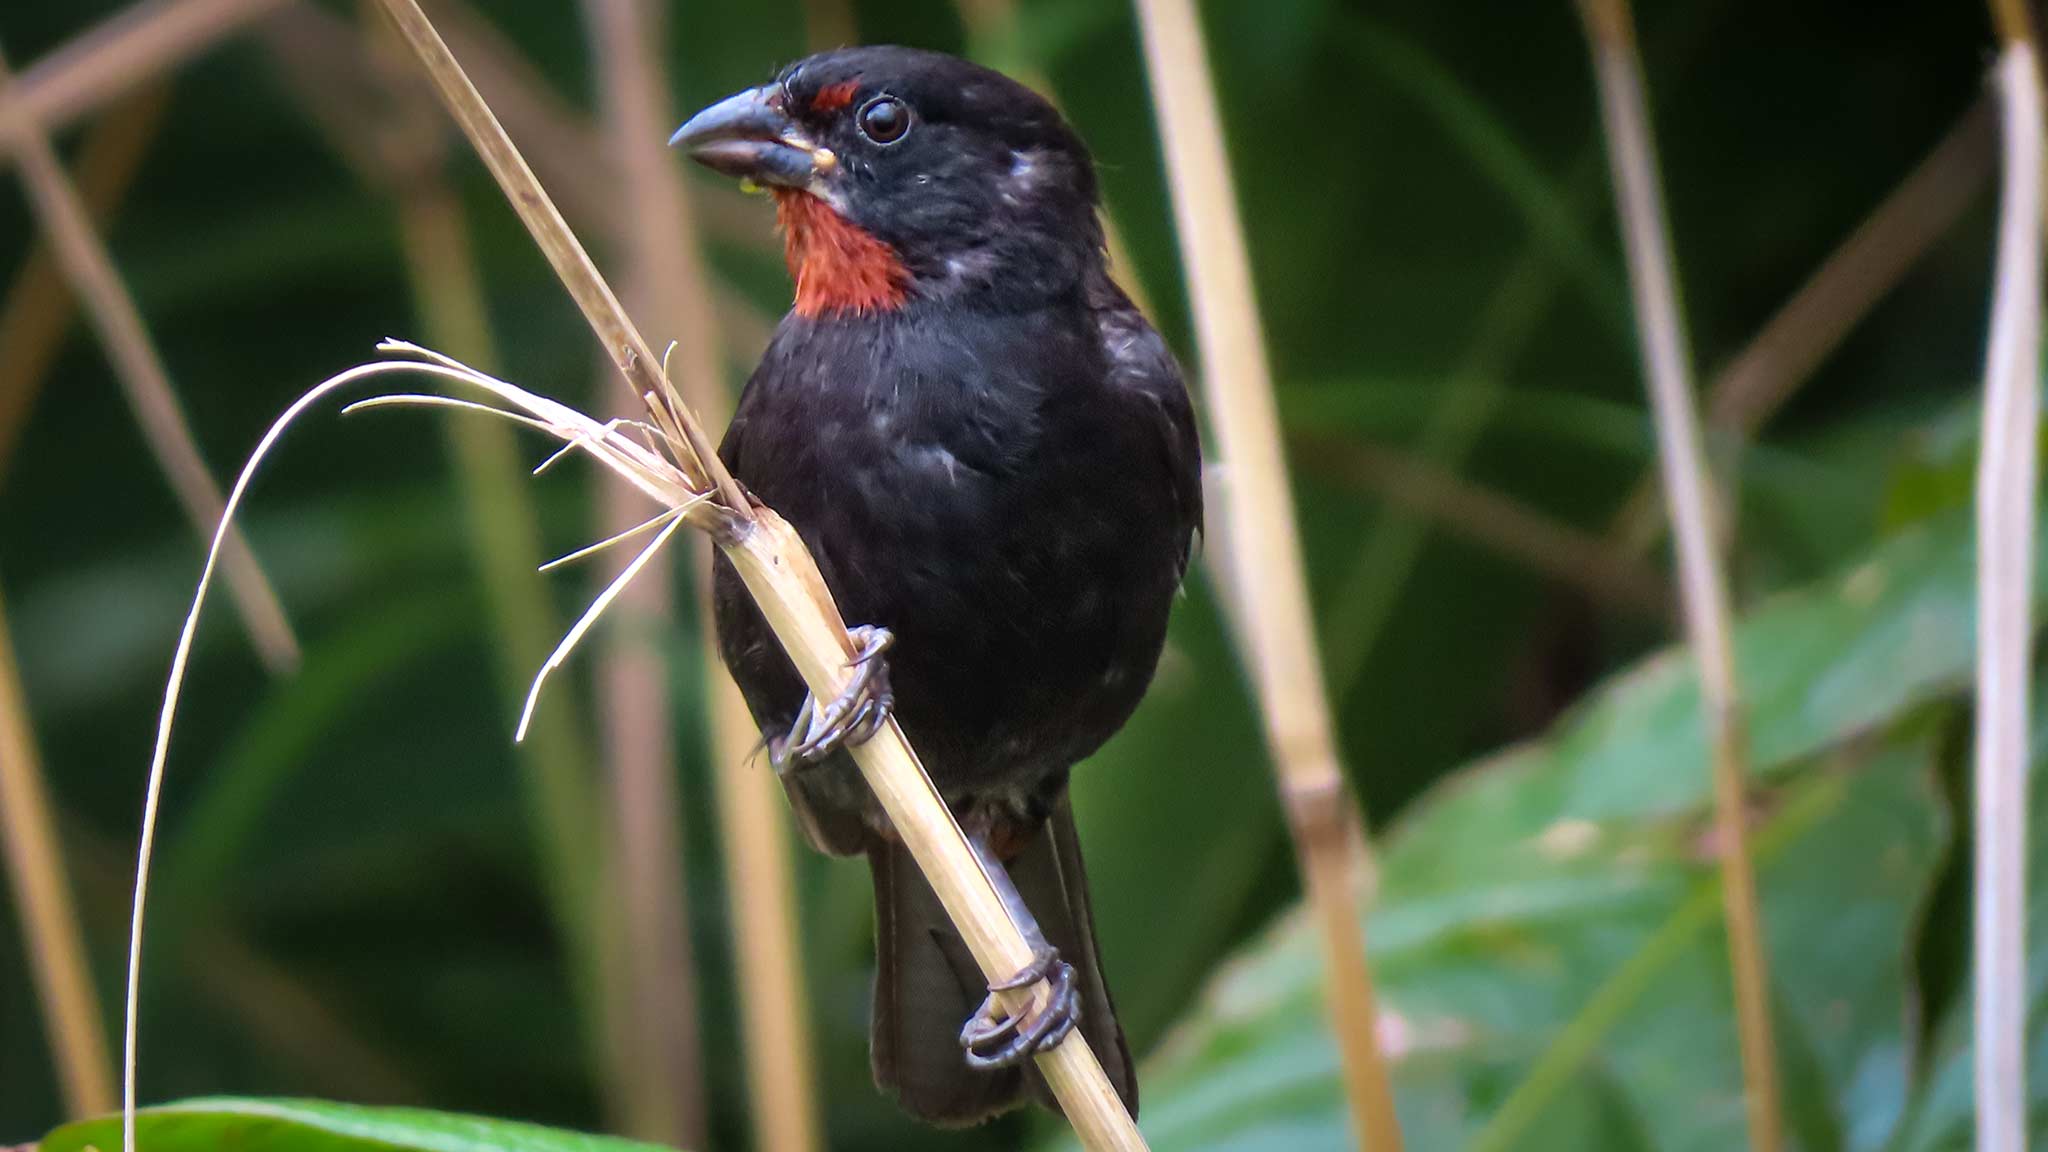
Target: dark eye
884 119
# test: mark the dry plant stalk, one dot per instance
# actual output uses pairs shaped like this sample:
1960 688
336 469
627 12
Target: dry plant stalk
1639 202
73 1026
2006 480
38 310
674 467
92 274
667 277
1265 549
143 41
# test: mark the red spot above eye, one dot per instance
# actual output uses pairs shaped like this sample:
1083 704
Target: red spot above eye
837 266
833 97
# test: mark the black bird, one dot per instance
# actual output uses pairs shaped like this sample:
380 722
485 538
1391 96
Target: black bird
993 458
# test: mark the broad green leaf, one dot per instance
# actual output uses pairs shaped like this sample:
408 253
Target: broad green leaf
1555 909
247 1125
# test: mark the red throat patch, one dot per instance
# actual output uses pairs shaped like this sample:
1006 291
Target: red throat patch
837 266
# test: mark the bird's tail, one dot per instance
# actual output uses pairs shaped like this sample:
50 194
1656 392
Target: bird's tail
927 984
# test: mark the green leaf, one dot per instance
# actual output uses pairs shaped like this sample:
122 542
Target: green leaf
1547 929
247 1125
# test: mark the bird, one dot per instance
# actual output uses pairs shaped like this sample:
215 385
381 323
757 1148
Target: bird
993 458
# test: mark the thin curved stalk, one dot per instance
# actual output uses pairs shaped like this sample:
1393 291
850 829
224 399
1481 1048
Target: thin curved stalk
1639 202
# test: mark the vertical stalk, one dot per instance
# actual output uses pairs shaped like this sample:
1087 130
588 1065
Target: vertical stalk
406 151
2006 479
74 1027
1639 203
1265 549
665 279
92 275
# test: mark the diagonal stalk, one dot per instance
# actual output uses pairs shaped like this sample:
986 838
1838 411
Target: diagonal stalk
149 39
67 222
38 311
1265 550
1639 202
2007 471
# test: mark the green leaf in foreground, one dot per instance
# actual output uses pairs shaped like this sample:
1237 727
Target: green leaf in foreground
245 1125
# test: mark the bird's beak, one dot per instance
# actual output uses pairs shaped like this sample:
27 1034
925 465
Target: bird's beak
750 136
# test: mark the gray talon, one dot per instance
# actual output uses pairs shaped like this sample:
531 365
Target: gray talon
852 718
994 1038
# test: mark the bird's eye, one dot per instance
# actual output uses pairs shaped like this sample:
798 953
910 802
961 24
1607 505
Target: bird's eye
885 119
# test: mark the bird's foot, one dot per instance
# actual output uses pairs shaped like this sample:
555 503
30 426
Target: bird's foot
852 718
996 1038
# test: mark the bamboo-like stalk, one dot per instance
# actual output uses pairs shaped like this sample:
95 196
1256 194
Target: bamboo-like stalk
505 531
665 278
1491 518
777 570
90 269
38 310
145 41
1859 273
2007 476
72 1024
1639 202
660 249
1265 549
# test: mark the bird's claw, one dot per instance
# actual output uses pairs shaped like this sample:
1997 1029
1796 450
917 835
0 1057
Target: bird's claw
853 717
995 1038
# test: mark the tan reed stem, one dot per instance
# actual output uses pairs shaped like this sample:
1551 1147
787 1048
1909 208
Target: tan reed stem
1639 202
90 269
667 274
1265 549
627 349
665 278
776 569
38 310
72 1023
2007 478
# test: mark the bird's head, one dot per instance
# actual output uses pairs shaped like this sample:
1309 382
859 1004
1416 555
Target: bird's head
902 174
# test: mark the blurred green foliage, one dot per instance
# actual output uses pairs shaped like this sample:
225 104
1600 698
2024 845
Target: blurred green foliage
1438 272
